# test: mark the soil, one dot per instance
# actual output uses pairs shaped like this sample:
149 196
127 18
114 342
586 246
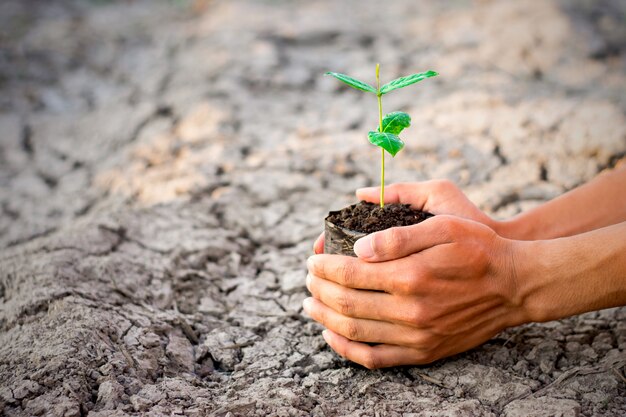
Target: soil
368 217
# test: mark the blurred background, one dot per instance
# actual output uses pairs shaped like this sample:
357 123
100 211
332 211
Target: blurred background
105 103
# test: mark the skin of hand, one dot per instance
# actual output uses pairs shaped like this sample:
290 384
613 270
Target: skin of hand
575 212
420 292
572 213
448 284
435 196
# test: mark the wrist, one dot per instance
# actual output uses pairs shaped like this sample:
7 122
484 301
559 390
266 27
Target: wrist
511 229
536 276
561 277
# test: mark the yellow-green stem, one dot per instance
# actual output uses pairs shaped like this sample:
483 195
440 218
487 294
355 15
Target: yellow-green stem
380 129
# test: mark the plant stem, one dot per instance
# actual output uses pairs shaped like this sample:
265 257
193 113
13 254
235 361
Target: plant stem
380 129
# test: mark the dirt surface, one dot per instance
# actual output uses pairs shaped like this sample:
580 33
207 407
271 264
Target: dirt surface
147 148
369 217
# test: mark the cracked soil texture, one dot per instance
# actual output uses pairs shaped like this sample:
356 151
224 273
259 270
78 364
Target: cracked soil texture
166 166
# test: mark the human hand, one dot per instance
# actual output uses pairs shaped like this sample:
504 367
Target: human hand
436 197
420 292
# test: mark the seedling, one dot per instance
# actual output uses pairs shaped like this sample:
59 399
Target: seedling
390 126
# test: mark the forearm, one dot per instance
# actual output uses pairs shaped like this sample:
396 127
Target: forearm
599 203
567 276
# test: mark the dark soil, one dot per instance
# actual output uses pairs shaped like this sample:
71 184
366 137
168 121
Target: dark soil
369 217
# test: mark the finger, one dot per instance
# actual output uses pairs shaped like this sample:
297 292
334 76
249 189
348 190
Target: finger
399 242
398 277
318 246
362 330
414 193
361 304
435 196
374 357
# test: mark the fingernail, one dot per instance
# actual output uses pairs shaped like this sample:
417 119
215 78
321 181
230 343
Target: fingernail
315 244
308 281
363 248
306 305
326 336
310 263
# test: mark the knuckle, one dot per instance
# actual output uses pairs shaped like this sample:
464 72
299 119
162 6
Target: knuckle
386 242
449 227
395 187
320 269
423 341
476 258
352 330
371 361
481 256
403 188
416 316
414 282
345 303
394 239
407 286
409 283
447 184
444 185
437 186
346 272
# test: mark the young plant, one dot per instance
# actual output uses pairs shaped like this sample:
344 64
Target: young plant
390 126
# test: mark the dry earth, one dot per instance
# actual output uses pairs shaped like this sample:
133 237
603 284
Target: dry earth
165 167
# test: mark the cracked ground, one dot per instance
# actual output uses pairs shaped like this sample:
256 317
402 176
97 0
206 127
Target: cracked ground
166 166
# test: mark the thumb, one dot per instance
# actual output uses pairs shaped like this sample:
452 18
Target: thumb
399 242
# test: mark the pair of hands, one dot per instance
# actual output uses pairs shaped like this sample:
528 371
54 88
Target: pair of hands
419 293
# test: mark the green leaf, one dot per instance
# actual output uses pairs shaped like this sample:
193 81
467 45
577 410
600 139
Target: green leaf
404 81
353 82
388 141
395 122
